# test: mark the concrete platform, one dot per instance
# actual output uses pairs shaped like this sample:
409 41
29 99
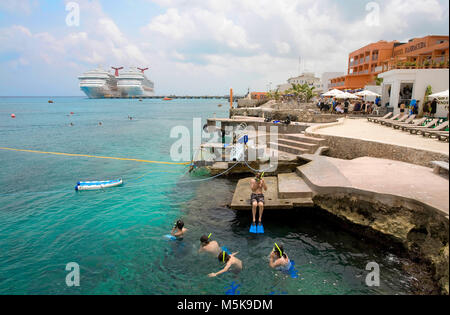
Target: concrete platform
379 177
241 198
293 186
364 130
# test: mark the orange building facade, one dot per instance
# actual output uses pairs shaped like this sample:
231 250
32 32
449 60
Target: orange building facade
366 63
258 95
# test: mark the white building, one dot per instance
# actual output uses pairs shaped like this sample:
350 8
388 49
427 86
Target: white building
403 85
326 79
306 78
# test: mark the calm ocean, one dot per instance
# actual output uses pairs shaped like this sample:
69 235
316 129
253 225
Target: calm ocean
116 235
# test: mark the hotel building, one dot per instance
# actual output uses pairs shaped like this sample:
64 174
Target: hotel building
366 63
308 78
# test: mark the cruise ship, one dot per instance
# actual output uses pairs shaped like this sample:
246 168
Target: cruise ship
134 83
100 83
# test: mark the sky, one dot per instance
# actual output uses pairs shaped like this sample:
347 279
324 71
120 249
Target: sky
197 47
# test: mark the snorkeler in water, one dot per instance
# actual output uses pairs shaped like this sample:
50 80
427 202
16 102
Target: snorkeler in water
179 230
209 246
231 263
279 259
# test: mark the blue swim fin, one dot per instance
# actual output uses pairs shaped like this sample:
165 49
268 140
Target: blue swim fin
253 228
260 229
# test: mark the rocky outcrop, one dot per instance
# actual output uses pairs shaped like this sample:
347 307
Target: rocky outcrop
422 231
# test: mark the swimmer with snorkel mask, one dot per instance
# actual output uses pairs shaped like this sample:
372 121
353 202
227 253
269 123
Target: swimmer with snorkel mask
279 260
231 263
209 246
179 230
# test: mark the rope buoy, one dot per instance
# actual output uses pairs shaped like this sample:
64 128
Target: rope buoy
13 116
94 156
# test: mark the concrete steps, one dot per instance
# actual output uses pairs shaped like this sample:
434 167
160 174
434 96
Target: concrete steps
297 144
303 145
288 148
292 186
302 138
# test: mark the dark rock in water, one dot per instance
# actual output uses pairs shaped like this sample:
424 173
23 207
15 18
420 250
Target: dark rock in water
50 102
423 234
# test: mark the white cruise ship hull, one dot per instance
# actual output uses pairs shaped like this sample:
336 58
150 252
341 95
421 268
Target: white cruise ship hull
133 91
95 91
101 84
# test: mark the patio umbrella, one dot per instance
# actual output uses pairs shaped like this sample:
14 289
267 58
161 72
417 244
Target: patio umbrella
333 93
346 95
366 93
441 95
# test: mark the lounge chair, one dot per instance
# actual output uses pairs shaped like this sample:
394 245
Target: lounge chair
395 118
443 137
375 119
427 127
439 165
404 119
436 131
404 125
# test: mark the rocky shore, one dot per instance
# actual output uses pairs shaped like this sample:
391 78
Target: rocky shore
423 233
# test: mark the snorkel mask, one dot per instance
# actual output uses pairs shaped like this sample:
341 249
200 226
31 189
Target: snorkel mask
277 248
260 177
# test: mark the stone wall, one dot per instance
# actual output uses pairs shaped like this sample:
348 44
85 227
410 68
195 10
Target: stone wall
282 128
299 115
349 149
244 103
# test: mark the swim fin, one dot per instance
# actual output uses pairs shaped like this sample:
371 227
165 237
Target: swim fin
260 229
253 228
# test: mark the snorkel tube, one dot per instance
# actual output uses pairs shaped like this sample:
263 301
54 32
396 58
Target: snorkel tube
260 177
279 250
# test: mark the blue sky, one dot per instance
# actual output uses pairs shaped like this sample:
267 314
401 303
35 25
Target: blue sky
197 46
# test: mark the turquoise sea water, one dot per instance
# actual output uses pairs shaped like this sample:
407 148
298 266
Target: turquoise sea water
116 235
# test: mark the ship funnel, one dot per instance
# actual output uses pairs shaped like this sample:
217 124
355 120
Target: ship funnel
143 70
117 70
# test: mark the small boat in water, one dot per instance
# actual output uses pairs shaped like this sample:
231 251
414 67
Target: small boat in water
167 99
95 185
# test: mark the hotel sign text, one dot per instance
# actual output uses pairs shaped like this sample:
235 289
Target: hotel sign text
410 48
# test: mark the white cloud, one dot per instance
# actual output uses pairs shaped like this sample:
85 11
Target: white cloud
206 46
18 6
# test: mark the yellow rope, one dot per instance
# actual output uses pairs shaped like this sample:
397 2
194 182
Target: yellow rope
96 157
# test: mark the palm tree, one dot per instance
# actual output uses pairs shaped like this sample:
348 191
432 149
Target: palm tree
308 92
277 95
297 91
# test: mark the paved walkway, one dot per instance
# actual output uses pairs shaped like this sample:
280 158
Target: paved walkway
364 130
379 177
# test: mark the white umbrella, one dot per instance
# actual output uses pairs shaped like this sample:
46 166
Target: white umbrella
346 95
440 95
367 93
333 93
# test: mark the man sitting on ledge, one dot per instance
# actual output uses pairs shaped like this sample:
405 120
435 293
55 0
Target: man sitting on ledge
257 185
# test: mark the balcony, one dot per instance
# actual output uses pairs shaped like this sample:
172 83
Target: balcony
441 62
